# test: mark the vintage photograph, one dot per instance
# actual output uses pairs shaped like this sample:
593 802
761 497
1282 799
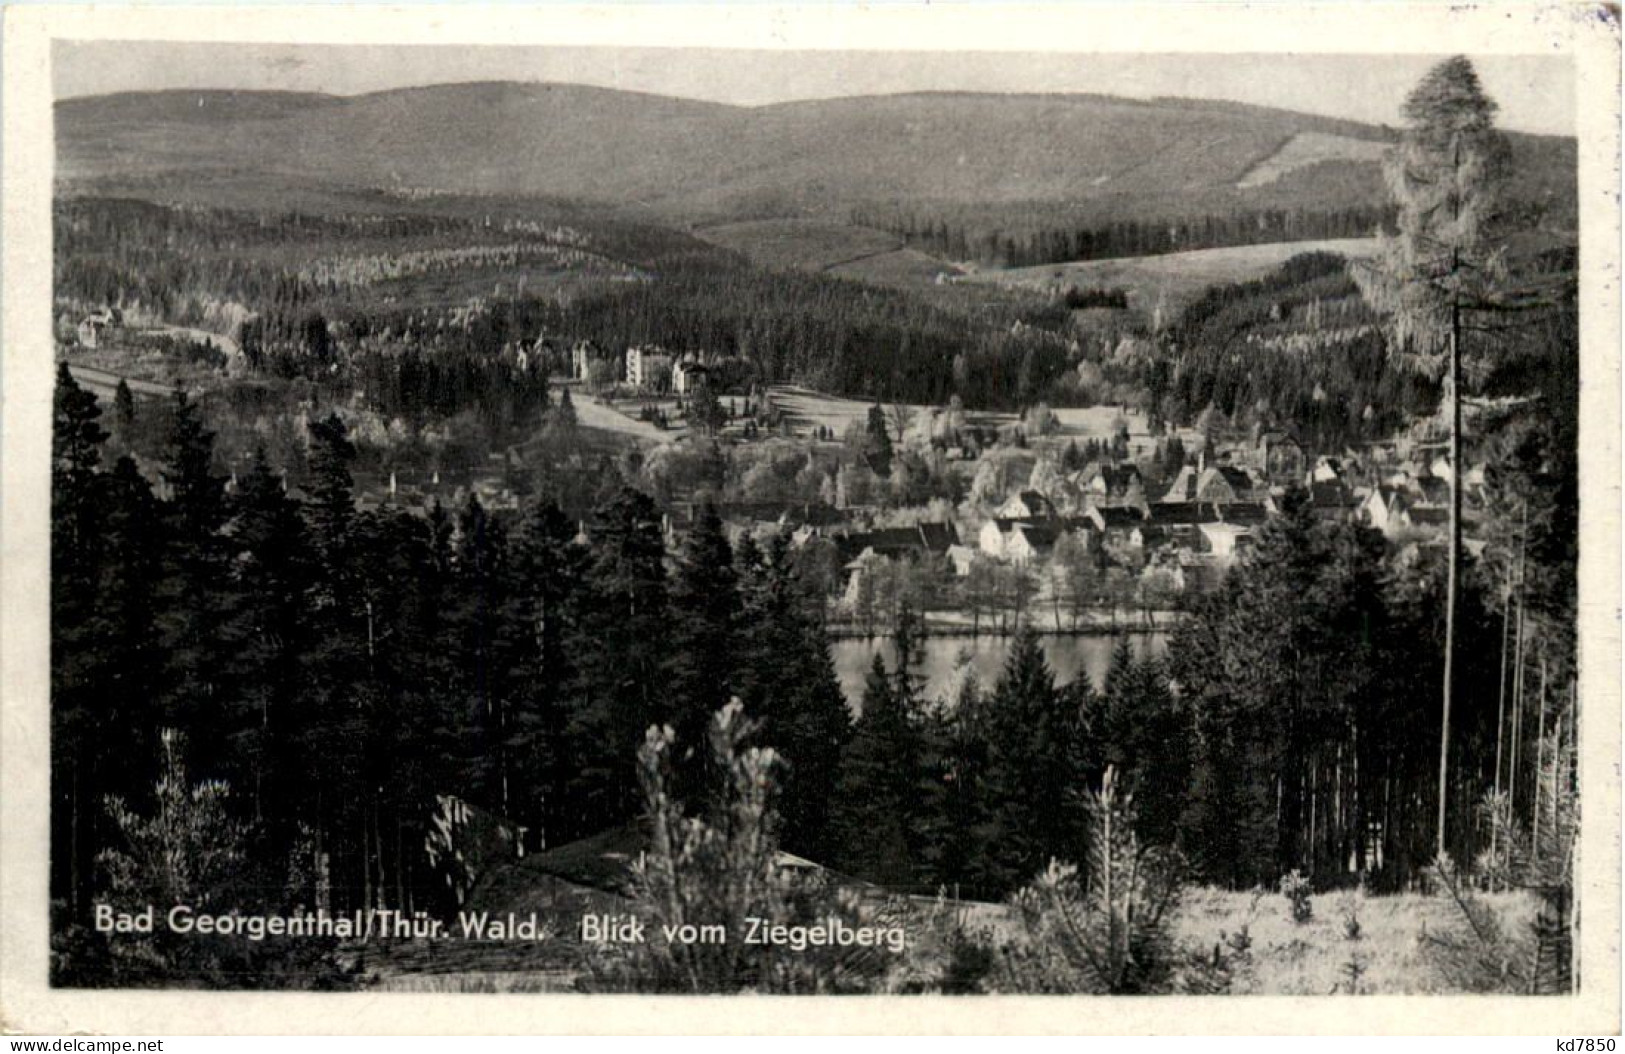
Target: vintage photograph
542 519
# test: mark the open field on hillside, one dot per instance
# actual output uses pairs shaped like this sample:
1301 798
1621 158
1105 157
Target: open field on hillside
594 414
807 409
1312 148
903 267
104 383
808 245
1172 279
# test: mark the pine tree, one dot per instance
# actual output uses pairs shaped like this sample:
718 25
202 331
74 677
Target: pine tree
877 445
705 629
956 820
124 415
195 596
127 643
410 739
78 705
1143 733
331 489
784 673
562 422
267 629
876 804
548 567
189 851
479 618
1446 174
706 411
328 718
621 645
1299 684
1032 787
1173 456
76 445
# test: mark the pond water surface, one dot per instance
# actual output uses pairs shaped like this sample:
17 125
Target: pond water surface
1067 655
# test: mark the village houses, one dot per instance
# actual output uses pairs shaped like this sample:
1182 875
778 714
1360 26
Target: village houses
1210 484
1026 505
1278 457
687 374
95 327
1107 484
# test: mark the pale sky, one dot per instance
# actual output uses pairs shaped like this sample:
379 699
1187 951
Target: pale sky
1536 93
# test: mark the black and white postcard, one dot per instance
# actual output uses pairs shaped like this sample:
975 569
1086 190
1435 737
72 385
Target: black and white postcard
935 505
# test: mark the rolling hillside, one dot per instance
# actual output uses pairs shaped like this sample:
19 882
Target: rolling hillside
688 161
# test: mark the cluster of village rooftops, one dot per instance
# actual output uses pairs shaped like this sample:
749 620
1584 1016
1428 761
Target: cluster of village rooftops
1187 533
1184 531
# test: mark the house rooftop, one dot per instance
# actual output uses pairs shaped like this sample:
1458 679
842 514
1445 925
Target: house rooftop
1245 513
1174 513
1118 516
1039 535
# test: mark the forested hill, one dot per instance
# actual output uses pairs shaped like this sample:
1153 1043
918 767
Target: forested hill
699 161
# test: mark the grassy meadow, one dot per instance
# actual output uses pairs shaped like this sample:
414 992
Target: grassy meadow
1385 950
1391 954
1173 279
810 245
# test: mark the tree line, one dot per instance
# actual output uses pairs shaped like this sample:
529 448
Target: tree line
340 668
1297 345
1136 236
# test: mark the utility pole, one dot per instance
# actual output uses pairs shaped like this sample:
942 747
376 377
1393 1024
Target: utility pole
1454 556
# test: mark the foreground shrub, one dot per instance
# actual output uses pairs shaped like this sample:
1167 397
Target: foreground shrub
722 875
1297 889
191 851
1107 931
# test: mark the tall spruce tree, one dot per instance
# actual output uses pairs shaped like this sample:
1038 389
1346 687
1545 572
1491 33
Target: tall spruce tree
77 709
480 617
876 807
76 450
271 576
1033 788
1443 265
548 567
329 718
956 820
1143 732
784 674
195 597
1302 678
413 741
124 415
701 665
127 647
877 445
330 487
621 644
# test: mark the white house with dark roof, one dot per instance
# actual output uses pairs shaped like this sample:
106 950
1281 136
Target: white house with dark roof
1212 483
687 374
95 326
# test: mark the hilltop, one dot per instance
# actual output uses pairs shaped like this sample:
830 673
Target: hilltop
697 162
